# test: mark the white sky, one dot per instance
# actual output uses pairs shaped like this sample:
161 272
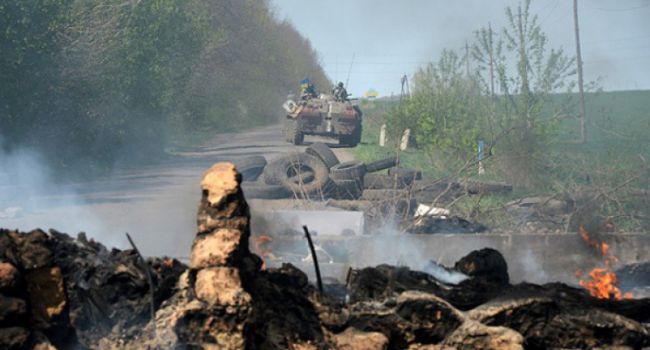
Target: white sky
390 38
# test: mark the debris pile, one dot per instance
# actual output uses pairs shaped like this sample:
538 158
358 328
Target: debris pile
71 293
225 299
392 196
635 279
415 309
58 292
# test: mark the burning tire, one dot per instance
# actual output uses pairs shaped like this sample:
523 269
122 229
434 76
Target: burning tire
250 167
263 191
348 171
406 173
324 153
382 164
300 173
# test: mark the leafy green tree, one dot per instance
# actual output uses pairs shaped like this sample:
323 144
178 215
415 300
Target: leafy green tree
446 111
29 67
91 82
526 126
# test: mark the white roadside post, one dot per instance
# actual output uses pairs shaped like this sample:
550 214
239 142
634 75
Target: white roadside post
382 136
481 147
405 140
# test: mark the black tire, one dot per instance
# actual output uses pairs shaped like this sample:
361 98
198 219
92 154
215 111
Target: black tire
383 182
299 173
263 191
348 171
353 139
346 189
292 132
250 167
384 195
410 174
306 176
382 164
324 153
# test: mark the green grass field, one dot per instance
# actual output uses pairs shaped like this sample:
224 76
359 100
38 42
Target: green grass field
616 151
618 131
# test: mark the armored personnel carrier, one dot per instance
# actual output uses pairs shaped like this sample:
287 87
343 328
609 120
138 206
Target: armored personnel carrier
323 116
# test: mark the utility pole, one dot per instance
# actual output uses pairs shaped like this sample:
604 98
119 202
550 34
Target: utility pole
467 58
583 131
491 48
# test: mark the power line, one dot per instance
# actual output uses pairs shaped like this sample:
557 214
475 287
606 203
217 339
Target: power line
619 39
557 2
623 10
619 59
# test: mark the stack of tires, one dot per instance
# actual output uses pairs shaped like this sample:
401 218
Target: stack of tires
296 175
392 191
318 174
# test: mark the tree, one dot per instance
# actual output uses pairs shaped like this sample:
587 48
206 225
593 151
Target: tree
446 111
486 51
87 82
526 126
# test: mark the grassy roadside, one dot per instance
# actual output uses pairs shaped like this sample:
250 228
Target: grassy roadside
617 130
616 151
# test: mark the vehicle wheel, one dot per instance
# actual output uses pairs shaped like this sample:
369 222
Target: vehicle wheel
292 132
324 153
383 182
410 174
382 164
299 173
353 139
348 171
263 191
347 189
250 167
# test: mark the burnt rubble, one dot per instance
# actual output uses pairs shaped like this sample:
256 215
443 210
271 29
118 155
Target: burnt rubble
57 292
69 293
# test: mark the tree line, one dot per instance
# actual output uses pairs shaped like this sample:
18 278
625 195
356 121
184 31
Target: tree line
503 89
90 82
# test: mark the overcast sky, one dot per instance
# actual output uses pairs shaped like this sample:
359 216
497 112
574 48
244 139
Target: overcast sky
389 38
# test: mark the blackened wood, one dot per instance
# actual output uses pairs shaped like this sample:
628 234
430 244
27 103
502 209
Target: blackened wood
147 271
319 281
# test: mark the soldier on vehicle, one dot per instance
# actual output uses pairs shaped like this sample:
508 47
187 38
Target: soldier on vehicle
308 91
339 92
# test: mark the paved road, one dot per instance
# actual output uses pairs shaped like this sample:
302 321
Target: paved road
155 204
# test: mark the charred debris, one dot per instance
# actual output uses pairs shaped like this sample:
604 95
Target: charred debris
58 292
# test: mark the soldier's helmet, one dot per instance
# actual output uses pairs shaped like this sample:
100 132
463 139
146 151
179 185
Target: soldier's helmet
340 84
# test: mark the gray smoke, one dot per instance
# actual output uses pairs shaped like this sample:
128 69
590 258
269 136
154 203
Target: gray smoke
443 274
30 198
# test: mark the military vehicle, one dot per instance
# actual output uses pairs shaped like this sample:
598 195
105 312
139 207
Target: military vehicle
323 116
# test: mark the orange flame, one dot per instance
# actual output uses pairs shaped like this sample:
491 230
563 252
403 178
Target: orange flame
260 245
602 283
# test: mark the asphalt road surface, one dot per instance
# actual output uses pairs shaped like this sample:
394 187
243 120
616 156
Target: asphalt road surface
155 204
